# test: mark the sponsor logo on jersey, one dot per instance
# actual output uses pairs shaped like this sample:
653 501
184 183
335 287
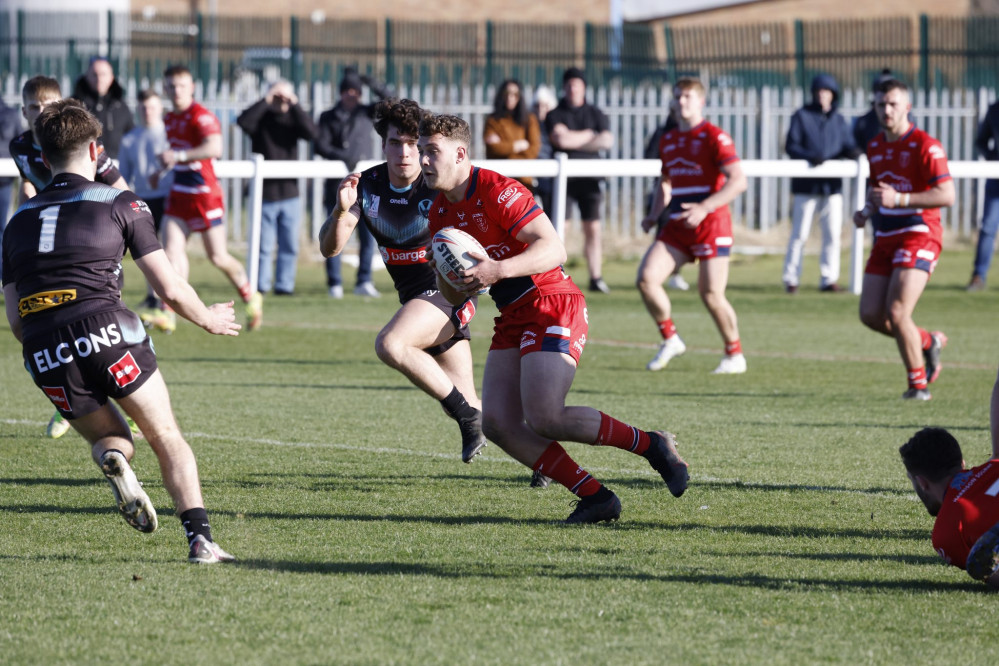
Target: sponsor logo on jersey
461 215
465 313
62 353
514 198
44 300
140 206
373 206
424 207
404 257
498 251
682 167
506 194
398 202
57 394
125 370
579 343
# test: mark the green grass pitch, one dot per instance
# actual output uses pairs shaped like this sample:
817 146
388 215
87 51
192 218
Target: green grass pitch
363 539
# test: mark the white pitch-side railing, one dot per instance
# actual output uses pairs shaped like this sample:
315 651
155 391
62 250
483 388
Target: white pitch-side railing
561 168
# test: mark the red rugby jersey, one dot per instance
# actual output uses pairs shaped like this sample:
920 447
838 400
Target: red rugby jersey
970 508
913 163
494 210
186 130
692 161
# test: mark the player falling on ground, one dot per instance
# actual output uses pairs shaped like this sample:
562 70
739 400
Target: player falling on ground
541 329
37 93
701 175
195 203
427 339
911 184
62 288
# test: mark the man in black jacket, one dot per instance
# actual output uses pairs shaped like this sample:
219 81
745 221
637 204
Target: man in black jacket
274 125
104 97
987 143
346 133
818 133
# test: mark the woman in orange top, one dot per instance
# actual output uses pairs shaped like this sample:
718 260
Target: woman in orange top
512 132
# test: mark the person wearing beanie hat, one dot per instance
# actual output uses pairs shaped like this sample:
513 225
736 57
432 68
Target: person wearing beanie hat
346 133
581 130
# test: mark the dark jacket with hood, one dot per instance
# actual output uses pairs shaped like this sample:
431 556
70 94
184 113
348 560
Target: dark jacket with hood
817 136
111 110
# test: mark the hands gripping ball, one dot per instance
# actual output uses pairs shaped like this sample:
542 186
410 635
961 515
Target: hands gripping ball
451 252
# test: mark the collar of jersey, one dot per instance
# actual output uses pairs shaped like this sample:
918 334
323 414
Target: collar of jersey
473 182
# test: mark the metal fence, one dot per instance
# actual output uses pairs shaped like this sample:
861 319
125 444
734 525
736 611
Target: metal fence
930 52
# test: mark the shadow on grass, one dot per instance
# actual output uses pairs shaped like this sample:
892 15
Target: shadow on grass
39 481
494 571
836 557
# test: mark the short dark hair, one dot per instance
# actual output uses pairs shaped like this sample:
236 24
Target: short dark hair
573 73
40 86
64 128
175 70
932 453
403 114
448 126
148 93
887 85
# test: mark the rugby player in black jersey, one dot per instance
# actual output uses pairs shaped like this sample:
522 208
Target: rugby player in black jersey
62 280
36 94
427 339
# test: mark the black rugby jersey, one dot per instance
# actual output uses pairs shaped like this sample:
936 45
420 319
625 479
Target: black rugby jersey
28 158
63 249
399 222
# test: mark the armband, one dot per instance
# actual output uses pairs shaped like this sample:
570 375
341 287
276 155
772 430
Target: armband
181 155
898 199
908 197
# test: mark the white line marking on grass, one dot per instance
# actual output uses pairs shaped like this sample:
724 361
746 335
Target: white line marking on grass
504 460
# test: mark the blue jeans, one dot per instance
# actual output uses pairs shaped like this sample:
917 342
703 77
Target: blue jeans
364 253
987 234
5 191
279 222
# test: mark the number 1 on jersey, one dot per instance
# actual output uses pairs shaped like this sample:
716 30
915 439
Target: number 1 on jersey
46 238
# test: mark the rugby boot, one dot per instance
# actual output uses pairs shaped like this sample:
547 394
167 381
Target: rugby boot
734 364
163 320
204 551
57 427
132 502
255 311
917 394
932 355
669 348
602 506
983 559
539 480
148 310
472 439
663 457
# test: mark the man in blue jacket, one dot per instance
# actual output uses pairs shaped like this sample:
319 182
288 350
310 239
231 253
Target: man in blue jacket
818 133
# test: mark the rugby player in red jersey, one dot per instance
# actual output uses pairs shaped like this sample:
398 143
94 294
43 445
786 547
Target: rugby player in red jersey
38 93
701 175
62 282
195 203
911 183
965 502
427 339
541 329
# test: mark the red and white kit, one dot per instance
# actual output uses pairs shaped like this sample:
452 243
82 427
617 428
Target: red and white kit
196 196
970 508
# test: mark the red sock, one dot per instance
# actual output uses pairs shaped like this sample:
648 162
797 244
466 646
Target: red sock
733 348
621 435
666 328
245 292
917 378
925 339
557 464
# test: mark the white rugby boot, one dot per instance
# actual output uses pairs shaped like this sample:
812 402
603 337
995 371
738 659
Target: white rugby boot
669 348
734 364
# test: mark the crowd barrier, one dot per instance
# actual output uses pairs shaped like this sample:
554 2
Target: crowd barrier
257 169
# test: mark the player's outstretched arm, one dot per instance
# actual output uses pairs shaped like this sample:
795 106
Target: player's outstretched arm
336 230
10 306
218 319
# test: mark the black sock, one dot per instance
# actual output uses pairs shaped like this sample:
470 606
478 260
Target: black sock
195 522
456 406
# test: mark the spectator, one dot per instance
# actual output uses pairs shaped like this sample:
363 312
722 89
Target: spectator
101 93
274 125
818 133
987 143
346 133
582 130
544 101
10 127
140 167
512 131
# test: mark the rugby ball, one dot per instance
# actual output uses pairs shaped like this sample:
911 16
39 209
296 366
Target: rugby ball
452 248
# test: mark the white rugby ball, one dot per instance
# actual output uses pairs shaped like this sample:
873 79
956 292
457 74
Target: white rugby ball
451 252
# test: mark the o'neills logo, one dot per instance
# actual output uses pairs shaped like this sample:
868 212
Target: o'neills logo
416 255
44 300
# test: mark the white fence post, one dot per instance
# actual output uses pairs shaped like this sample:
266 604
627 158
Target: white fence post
256 204
857 248
560 194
